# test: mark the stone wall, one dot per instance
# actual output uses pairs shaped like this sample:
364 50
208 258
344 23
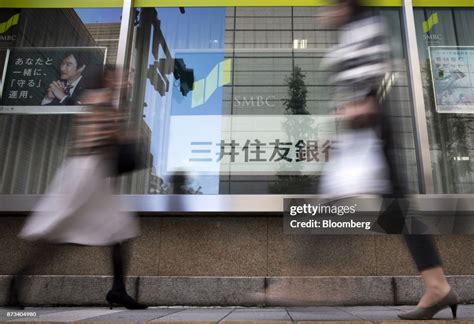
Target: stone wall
237 246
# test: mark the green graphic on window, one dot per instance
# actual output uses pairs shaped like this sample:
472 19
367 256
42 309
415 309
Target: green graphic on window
218 77
430 22
6 25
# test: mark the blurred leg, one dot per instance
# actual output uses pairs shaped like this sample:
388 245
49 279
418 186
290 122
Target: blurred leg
118 294
422 247
40 253
424 253
119 262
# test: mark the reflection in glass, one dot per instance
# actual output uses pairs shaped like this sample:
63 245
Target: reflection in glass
211 96
447 35
257 117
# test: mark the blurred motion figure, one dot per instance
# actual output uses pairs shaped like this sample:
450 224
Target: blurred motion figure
80 207
364 164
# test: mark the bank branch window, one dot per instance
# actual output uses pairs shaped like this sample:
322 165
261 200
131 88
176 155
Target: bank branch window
37 48
235 100
446 50
227 100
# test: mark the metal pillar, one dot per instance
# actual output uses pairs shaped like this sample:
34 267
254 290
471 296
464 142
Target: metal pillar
421 130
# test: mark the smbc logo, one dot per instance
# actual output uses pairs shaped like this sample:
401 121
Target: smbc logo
6 25
430 22
428 25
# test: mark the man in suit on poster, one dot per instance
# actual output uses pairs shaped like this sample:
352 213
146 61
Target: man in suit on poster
68 89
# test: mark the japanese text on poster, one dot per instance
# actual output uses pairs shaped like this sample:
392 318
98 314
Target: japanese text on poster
452 71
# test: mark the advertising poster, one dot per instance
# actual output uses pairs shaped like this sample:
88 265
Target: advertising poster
452 71
49 77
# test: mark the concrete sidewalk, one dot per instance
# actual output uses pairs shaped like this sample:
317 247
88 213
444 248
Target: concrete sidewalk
222 315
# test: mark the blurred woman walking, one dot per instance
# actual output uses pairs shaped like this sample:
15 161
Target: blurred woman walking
80 206
360 62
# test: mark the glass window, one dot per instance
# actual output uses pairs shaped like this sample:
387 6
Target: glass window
446 50
39 47
213 91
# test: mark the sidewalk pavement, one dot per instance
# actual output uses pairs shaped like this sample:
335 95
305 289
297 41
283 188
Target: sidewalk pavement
223 315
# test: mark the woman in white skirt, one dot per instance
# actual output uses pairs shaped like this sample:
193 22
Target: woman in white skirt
80 207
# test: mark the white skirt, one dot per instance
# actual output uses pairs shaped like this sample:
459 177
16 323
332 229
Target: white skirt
80 208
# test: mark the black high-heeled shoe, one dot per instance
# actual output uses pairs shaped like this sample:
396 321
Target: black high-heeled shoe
121 298
426 313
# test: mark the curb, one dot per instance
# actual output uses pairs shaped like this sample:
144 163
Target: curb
232 291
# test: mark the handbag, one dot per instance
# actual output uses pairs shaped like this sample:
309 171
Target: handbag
357 167
129 157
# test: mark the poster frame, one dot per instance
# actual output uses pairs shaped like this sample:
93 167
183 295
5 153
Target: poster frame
439 110
39 109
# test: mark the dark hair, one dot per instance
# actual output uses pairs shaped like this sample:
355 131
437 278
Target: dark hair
355 6
80 58
107 71
97 75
